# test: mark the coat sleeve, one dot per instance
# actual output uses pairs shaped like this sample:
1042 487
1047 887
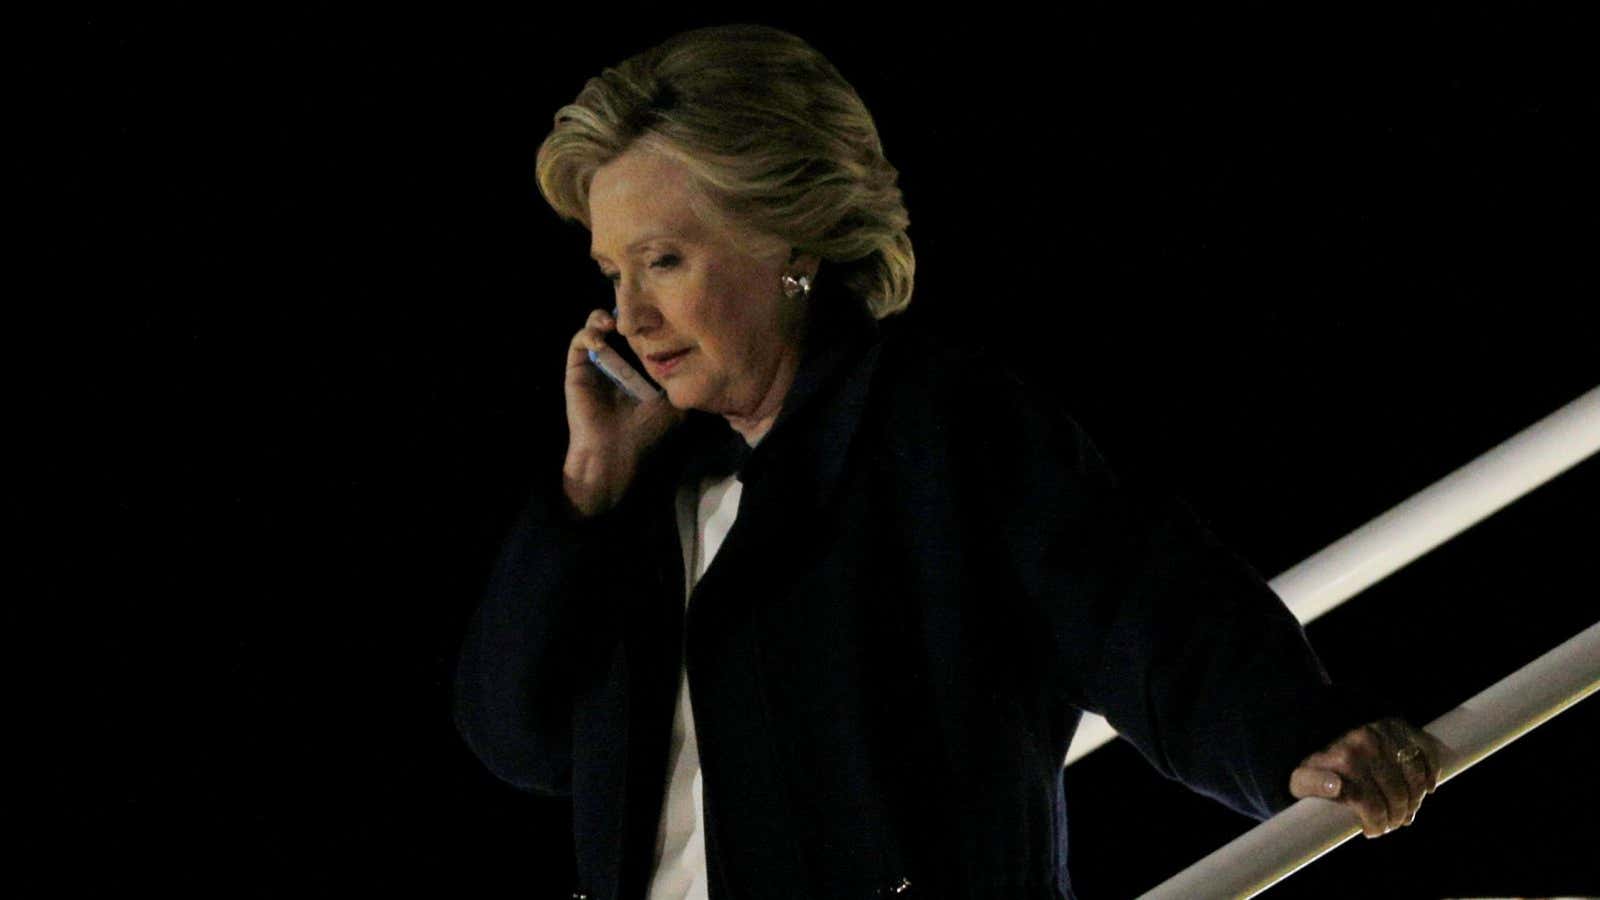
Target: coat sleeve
1139 614
518 663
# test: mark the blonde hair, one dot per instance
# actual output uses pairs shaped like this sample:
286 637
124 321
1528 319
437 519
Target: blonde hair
781 148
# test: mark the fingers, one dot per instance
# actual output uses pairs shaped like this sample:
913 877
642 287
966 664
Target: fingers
1347 762
1312 782
1384 766
1373 770
592 336
1420 757
1431 760
1410 763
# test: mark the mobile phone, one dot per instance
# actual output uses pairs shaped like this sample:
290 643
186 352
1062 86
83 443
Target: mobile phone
625 376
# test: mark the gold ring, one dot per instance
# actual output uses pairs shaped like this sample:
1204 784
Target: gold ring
1410 754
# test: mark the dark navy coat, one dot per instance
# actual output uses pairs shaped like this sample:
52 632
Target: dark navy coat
932 571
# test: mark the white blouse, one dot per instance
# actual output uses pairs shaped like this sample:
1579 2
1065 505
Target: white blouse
705 515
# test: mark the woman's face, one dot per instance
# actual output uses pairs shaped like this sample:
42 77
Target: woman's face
710 321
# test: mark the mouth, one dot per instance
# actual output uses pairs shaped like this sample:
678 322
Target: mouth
663 363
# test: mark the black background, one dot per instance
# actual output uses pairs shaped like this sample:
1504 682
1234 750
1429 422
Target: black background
1291 268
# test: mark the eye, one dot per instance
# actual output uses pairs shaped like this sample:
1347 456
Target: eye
665 261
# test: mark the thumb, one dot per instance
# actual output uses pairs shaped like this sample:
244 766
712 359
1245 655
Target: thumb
1309 782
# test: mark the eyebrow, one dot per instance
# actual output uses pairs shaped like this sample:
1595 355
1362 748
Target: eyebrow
634 247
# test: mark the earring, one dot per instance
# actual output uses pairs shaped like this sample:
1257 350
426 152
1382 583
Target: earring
796 286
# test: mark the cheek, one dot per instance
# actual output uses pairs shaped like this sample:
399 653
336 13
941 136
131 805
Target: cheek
728 308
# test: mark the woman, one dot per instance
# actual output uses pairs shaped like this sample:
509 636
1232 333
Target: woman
923 570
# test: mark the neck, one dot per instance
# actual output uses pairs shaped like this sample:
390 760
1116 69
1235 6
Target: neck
753 426
753 432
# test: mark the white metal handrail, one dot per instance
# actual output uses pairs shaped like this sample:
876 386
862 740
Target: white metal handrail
1434 515
1494 718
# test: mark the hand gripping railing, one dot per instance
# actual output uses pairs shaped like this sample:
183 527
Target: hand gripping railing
1438 513
1511 708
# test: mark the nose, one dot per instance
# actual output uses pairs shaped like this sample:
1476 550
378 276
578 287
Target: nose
635 311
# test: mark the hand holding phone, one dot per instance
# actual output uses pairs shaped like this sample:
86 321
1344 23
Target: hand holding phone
623 375
609 432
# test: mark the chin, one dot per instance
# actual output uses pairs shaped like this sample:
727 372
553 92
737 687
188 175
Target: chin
680 398
686 397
